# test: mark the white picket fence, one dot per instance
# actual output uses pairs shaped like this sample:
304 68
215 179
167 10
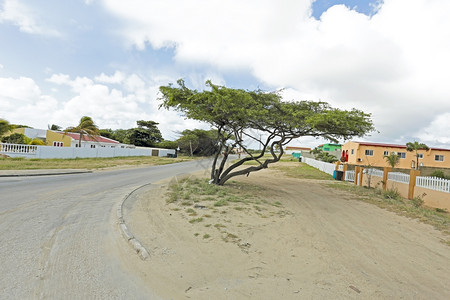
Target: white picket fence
32 151
398 177
433 183
350 176
374 172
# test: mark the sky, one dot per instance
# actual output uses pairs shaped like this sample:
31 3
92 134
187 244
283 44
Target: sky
61 60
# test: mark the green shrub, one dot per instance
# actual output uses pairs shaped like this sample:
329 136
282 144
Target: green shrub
392 194
417 201
439 174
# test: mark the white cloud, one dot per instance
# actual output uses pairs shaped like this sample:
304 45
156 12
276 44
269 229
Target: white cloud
22 99
438 132
23 17
117 78
393 64
1 66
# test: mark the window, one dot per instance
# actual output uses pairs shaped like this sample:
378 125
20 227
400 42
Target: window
386 153
76 145
401 154
92 146
58 144
439 157
353 151
420 155
369 153
326 149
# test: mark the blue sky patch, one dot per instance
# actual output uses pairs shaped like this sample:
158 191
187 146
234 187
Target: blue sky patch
366 7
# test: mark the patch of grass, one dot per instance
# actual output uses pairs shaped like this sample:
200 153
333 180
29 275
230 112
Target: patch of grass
206 236
221 202
191 212
218 226
303 171
20 163
196 220
196 234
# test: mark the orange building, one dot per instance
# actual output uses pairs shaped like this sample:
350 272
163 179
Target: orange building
366 153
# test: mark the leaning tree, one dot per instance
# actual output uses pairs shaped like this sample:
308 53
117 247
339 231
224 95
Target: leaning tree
240 115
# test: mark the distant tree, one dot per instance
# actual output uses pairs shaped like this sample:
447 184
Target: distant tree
414 147
392 159
198 142
5 127
146 134
239 114
122 135
319 154
188 143
55 127
15 138
167 144
85 127
107 133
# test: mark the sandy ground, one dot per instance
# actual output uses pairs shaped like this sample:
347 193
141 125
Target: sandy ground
319 244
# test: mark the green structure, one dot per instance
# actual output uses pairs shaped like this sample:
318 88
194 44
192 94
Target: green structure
329 147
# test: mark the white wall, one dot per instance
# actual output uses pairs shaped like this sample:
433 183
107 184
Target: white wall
68 152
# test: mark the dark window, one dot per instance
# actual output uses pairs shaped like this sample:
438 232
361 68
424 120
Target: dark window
439 157
369 153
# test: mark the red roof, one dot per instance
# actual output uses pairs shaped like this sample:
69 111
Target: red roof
393 145
296 148
86 138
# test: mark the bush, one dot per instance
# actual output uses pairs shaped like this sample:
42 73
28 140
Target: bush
392 194
439 174
417 201
15 138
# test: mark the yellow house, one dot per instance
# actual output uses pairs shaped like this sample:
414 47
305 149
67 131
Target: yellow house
366 153
50 138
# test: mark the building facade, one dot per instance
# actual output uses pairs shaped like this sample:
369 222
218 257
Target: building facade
373 154
70 139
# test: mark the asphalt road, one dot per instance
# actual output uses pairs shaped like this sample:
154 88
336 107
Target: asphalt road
59 237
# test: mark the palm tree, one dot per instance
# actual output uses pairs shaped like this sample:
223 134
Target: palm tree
392 159
415 147
86 127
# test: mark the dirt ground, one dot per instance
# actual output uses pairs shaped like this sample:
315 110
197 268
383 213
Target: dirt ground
316 243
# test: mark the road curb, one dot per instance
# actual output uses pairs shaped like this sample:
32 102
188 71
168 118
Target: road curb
44 174
129 237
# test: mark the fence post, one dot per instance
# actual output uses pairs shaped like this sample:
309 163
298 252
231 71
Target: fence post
386 171
361 174
337 165
412 182
357 168
344 169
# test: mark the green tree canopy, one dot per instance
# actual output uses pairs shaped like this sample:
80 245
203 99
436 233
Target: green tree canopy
5 127
15 138
55 127
240 115
198 142
85 127
146 134
414 147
